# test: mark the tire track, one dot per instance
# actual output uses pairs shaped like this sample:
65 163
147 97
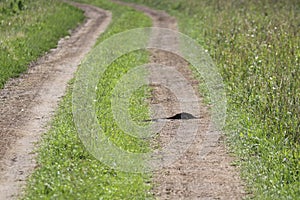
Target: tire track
28 103
189 177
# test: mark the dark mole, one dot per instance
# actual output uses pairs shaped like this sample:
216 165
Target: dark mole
178 116
182 115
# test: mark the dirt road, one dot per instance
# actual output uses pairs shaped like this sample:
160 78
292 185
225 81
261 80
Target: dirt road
190 177
27 103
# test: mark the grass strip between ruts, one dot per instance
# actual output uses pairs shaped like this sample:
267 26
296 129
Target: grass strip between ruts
65 169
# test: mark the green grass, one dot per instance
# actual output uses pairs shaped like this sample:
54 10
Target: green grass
25 36
66 170
138 108
256 46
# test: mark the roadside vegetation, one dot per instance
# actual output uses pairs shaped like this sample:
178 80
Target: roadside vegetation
256 46
65 169
30 28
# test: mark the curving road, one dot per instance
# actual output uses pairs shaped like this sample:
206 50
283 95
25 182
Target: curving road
28 103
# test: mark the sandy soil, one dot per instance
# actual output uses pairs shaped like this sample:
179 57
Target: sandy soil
191 176
28 102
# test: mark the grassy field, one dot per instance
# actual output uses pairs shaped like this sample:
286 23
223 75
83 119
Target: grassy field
66 170
25 36
256 46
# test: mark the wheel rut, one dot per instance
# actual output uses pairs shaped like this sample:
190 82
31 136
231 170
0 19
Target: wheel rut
191 176
27 103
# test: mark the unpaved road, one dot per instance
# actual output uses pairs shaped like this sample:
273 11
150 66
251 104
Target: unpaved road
27 103
190 177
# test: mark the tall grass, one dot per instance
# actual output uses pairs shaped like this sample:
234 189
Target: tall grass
25 36
256 46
